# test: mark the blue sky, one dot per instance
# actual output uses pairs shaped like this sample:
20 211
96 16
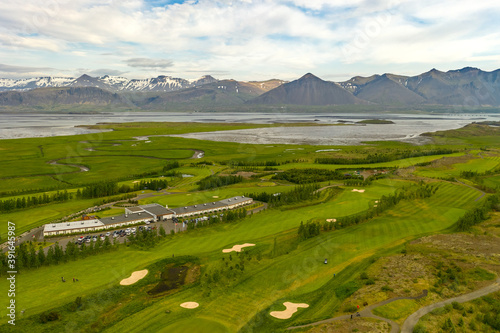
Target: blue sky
246 39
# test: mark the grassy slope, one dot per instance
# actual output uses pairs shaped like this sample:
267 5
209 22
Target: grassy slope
408 220
291 276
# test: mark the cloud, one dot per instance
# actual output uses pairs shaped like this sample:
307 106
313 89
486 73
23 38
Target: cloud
105 71
251 37
22 69
148 63
16 72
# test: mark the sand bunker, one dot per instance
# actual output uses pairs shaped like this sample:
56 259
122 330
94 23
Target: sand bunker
136 276
237 248
360 191
375 205
376 201
135 181
331 220
291 308
190 305
215 196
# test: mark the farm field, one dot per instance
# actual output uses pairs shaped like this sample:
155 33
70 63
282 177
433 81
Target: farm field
236 292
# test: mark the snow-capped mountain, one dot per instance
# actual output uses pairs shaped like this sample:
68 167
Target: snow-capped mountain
111 83
33 83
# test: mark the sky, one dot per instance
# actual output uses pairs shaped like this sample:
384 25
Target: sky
246 39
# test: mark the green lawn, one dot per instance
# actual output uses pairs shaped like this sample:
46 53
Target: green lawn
35 217
286 276
397 309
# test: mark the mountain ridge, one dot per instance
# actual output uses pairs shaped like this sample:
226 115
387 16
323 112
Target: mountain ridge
469 86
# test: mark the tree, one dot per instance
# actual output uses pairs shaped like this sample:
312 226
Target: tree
107 243
163 233
50 256
41 255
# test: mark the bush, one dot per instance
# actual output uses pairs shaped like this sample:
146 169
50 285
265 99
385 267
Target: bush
386 288
350 308
369 282
364 276
419 328
457 306
440 311
49 316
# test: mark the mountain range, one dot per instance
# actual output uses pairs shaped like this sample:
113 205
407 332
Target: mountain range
465 87
112 83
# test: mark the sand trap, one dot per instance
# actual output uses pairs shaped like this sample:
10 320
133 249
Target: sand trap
331 220
360 191
190 305
136 276
376 201
375 205
237 248
215 196
135 181
291 308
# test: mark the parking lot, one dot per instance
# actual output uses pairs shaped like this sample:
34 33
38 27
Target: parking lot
119 234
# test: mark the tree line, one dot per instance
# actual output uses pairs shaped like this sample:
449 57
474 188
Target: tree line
211 182
381 157
104 189
171 165
146 239
305 176
308 230
297 194
271 163
33 201
152 184
29 256
227 217
479 214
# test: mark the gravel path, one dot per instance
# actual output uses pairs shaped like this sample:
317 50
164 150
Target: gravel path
413 319
367 312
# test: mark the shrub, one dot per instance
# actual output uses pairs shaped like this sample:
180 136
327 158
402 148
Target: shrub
386 288
350 308
49 316
419 328
457 306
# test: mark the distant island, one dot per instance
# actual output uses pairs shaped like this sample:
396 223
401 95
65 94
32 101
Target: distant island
375 121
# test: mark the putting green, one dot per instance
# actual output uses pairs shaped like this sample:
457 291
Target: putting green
195 325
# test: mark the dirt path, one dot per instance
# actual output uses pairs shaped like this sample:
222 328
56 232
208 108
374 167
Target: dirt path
367 313
413 319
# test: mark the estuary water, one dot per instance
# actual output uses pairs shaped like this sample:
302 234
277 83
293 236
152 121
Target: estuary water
406 127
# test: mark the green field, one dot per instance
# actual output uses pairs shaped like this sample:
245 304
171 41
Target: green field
280 267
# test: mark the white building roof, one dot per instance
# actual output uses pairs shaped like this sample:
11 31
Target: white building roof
52 227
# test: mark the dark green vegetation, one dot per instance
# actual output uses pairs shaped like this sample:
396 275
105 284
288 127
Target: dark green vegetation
304 176
354 221
388 157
